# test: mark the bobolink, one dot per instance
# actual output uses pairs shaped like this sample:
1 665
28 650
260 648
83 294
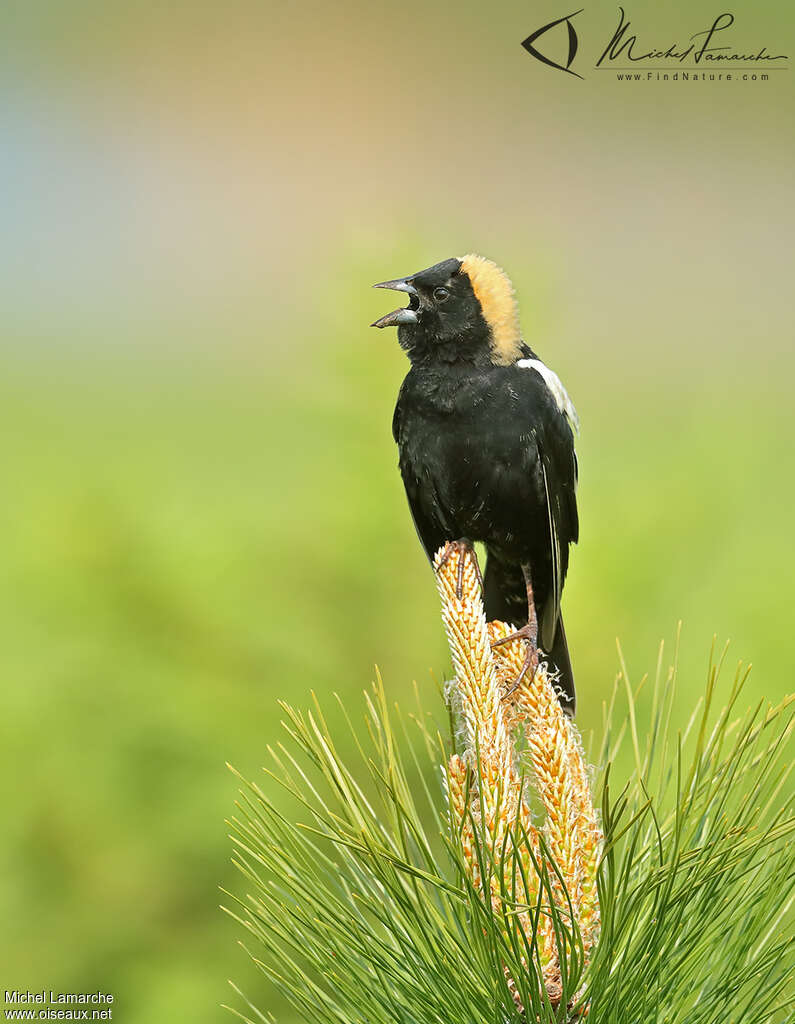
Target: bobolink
485 433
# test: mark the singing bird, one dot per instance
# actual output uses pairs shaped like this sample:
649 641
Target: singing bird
485 434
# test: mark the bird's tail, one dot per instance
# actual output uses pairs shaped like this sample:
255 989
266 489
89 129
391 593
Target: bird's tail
504 592
505 598
559 656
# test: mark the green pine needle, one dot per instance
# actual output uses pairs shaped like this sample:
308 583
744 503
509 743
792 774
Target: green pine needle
361 911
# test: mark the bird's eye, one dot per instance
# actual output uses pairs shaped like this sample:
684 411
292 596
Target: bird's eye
440 294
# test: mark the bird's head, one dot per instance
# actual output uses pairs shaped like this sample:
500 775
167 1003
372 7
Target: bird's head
460 310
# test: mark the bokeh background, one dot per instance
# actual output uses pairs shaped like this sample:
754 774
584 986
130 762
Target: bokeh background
202 511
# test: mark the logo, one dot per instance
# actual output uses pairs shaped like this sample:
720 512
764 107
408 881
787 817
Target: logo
528 43
713 47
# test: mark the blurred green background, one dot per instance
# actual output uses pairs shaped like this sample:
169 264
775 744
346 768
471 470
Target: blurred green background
202 511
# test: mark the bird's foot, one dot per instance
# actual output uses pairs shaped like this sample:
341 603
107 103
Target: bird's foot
463 548
529 634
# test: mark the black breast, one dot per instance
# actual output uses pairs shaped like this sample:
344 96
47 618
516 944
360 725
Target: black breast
470 442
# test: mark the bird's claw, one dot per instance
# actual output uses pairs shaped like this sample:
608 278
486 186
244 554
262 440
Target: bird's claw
463 547
530 635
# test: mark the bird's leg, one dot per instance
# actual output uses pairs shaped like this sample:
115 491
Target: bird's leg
529 633
463 547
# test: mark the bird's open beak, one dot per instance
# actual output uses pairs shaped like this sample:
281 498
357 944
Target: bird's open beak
405 315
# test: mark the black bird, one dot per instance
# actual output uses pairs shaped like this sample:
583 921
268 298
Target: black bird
485 433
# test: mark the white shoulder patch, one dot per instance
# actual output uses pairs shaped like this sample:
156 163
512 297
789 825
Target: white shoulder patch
555 386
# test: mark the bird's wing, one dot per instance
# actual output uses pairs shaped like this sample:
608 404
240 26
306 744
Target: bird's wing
555 387
396 422
554 439
427 526
419 495
558 439
550 613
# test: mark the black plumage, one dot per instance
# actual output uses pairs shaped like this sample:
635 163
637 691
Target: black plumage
486 445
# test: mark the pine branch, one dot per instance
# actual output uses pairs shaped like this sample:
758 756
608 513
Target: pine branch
381 901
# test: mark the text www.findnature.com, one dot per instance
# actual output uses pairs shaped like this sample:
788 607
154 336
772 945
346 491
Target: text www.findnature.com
689 76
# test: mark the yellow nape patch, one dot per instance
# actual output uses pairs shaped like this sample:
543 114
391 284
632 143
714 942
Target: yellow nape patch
494 292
